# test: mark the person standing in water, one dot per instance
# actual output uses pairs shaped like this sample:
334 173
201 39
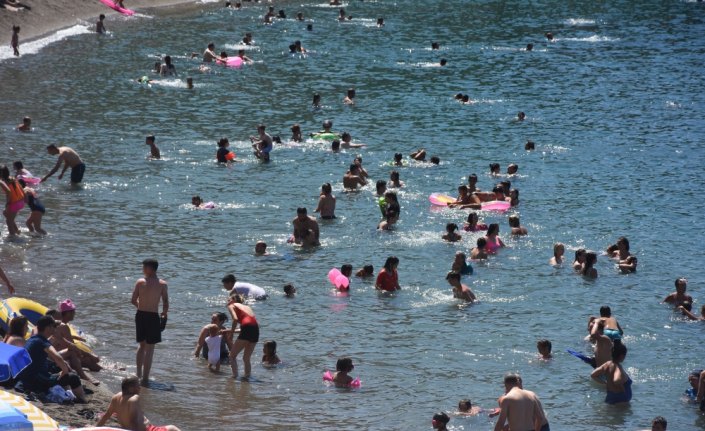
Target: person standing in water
154 152
70 158
148 292
99 26
247 339
520 408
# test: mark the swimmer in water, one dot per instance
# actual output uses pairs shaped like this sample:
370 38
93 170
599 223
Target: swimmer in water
316 104
544 348
335 145
326 203
341 15
521 116
463 198
366 271
289 290
269 353
512 169
99 26
209 54
558 252
619 250
472 224
659 424
167 69
381 187
435 46
154 152
479 253
34 221
306 231
262 143
679 297
347 141
296 133
419 155
530 146
197 202
380 22
588 270
261 249
298 48
353 178
460 291
614 377
394 181
282 14
472 183
189 83
443 62
25 126
549 35
451 234
224 155
300 16
529 46
628 265
494 242
612 328
515 225
579 259
440 421
349 98
341 379
390 211
388 277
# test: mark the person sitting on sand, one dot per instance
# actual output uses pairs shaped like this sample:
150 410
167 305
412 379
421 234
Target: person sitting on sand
479 252
65 343
99 26
515 225
262 143
465 408
460 291
261 249
461 265
326 203
306 231
25 126
36 377
126 408
154 152
296 133
353 178
269 353
452 234
202 348
614 377
366 271
558 252
686 309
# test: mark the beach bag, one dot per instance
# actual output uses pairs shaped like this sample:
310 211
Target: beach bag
59 395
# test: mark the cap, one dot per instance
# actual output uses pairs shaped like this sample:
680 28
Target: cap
66 305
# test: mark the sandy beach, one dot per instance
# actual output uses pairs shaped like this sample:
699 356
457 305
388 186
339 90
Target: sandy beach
41 17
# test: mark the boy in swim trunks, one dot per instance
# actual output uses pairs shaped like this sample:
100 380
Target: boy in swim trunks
70 158
679 296
262 144
125 405
149 291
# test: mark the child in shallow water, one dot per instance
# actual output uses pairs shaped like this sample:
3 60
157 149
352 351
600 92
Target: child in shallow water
544 347
451 233
269 353
341 377
213 341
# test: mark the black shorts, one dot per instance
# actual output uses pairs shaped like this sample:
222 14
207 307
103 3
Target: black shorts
249 333
148 328
77 173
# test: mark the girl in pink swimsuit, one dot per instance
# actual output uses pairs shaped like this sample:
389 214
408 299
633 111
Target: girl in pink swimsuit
494 243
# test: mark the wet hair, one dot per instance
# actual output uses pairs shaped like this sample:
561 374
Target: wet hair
529 46
623 240
327 188
545 343
530 145
435 45
222 142
151 263
512 166
270 345
344 365
605 311
590 260
472 176
493 228
288 289
660 420
451 227
353 167
345 135
463 188
464 405
618 350
514 221
472 216
521 115
4 173
498 189
309 27
346 269
52 147
435 160
101 16
380 184
296 127
391 261
17 326
52 313
211 45
441 417
512 379
196 198
301 210
394 176
150 138
335 145
222 317
351 92
481 242
398 156
557 246
230 278
167 59
466 98
444 61
679 279
369 269
453 275
45 322
128 383
494 167
459 96
18 165
579 252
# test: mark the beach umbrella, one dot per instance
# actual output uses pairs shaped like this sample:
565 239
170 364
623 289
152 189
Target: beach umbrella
13 419
13 360
40 420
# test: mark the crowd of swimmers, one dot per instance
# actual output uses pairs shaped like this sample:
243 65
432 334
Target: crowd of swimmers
519 409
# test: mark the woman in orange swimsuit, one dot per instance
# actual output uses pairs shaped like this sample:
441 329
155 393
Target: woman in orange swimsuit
248 337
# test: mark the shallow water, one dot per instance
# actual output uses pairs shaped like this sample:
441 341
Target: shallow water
614 106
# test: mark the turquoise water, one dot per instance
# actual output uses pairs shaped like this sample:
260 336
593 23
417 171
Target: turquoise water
614 105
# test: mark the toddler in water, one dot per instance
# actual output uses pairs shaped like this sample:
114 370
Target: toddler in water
451 234
34 221
213 341
269 353
544 347
326 202
440 421
341 377
289 290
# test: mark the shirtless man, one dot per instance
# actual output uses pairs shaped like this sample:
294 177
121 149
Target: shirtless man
63 342
149 291
306 230
352 178
520 408
154 152
472 183
612 328
460 290
99 26
262 143
349 98
603 343
497 194
326 202
26 125
679 296
126 407
70 158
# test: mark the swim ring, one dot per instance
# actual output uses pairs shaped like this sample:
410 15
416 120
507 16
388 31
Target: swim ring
328 377
495 206
32 310
230 61
326 136
29 180
338 280
441 200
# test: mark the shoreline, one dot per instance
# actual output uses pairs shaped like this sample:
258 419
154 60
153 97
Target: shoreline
44 18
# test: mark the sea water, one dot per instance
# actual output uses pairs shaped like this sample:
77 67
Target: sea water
614 106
